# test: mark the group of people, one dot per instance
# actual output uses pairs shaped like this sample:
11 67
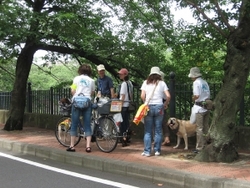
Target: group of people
103 86
154 93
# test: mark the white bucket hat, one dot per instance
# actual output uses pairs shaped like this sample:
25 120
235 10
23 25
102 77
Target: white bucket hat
155 70
194 72
100 67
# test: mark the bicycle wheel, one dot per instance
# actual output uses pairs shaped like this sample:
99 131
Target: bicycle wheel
106 134
62 132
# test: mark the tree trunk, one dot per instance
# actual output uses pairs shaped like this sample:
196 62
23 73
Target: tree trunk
18 97
227 101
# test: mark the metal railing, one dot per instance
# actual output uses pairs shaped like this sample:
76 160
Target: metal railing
46 101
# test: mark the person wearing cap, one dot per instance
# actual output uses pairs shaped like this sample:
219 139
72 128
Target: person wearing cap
125 90
165 128
105 85
152 93
201 92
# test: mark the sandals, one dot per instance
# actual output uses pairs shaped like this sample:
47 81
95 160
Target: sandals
88 149
71 149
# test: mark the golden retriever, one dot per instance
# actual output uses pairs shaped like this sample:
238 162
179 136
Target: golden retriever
183 129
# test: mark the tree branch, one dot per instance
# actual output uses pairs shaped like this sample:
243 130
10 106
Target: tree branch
49 73
223 17
91 57
12 75
207 18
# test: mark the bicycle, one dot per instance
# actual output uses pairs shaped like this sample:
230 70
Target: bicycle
105 130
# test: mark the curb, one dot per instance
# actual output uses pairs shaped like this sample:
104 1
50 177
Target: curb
172 178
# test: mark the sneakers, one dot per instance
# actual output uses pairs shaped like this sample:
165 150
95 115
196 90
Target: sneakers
157 153
145 154
148 155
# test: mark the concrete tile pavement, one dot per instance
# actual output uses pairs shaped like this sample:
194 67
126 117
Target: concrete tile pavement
172 168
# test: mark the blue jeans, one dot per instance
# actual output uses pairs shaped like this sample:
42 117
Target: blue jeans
154 120
75 120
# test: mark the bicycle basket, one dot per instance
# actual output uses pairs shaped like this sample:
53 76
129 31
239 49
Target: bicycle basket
64 109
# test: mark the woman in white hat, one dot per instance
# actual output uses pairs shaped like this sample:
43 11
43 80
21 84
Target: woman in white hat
201 92
152 92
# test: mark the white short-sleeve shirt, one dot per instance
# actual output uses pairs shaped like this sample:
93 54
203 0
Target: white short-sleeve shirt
201 89
84 84
158 94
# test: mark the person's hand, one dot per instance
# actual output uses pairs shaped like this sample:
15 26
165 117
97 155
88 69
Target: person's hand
165 105
115 95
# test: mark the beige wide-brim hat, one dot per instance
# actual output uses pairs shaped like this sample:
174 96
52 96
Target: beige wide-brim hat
194 72
155 70
100 67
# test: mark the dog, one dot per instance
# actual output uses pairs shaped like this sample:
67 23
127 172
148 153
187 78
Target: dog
126 139
183 129
63 128
65 101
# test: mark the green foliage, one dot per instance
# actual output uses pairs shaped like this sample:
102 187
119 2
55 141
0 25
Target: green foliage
60 75
135 34
7 74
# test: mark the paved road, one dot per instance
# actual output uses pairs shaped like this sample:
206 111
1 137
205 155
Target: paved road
24 171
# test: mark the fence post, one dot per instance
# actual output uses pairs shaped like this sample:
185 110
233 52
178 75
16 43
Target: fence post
172 93
51 100
29 100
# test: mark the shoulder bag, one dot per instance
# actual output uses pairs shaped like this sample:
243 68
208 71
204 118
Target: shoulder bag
81 102
143 109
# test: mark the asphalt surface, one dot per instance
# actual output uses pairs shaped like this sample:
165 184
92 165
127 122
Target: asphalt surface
173 168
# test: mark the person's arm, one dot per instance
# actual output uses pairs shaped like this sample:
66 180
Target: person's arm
143 95
112 93
168 97
195 97
122 98
143 92
122 92
196 91
73 89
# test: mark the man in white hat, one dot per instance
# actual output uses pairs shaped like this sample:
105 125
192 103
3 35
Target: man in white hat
105 85
201 92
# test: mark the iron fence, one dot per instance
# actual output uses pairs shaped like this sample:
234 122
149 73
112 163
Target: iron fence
46 101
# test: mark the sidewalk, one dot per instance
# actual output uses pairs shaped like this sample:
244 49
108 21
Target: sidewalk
172 168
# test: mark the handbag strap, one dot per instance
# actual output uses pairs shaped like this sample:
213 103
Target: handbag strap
152 93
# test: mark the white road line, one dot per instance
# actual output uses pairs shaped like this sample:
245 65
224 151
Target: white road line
70 173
